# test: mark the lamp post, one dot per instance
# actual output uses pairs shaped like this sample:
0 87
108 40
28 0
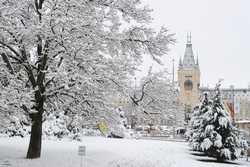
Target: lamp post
233 95
175 122
174 108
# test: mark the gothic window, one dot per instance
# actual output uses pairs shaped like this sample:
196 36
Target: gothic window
188 108
198 85
188 85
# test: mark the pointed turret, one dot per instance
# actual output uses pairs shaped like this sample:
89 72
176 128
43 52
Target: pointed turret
180 63
188 60
197 61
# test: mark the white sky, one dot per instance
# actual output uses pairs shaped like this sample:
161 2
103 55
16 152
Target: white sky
220 34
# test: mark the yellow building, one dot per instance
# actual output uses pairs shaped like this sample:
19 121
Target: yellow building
189 78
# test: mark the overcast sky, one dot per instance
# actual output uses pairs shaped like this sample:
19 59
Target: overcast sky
220 35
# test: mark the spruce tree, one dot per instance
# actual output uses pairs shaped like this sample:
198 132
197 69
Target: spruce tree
195 123
213 131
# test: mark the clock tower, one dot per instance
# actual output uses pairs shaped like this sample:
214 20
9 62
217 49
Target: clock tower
189 78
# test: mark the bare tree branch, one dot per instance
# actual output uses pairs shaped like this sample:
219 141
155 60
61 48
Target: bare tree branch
8 63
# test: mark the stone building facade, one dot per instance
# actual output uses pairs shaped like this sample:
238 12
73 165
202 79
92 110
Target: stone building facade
189 79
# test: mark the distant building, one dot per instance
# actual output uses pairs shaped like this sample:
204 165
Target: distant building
189 79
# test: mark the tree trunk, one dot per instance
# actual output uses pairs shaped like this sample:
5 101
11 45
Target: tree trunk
133 122
35 144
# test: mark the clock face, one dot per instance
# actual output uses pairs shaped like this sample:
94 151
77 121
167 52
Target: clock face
188 85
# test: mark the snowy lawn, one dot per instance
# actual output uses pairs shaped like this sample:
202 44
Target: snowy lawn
103 152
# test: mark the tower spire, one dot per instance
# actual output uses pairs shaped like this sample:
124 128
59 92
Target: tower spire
180 62
188 60
197 59
189 38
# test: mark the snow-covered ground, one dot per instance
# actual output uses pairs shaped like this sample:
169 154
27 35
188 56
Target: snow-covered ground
104 152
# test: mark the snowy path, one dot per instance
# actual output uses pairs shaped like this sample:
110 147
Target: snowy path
4 163
103 152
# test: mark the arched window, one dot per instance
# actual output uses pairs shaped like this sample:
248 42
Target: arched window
188 85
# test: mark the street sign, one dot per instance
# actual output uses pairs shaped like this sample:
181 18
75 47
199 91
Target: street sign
103 127
82 150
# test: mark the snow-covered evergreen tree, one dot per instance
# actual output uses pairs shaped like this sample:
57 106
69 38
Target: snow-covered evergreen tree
194 130
213 131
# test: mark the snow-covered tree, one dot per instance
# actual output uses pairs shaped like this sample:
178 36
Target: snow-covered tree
66 56
155 94
213 131
119 128
194 130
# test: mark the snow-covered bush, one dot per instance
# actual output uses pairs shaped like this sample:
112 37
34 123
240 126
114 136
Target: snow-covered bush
15 125
55 126
118 129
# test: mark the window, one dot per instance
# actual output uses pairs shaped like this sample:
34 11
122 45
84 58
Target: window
188 85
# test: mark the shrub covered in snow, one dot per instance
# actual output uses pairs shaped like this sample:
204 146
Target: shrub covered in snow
59 125
56 126
119 127
15 125
212 131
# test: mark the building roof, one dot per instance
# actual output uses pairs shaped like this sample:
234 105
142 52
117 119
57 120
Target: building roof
188 60
243 121
228 93
245 90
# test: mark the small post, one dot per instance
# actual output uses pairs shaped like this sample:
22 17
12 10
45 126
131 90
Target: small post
82 153
81 162
173 73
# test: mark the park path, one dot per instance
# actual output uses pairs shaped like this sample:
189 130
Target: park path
4 163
